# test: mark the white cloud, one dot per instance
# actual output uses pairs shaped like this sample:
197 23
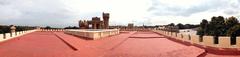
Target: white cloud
62 13
121 11
34 12
191 11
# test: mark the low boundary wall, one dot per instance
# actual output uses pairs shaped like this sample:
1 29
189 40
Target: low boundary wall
224 42
206 42
8 36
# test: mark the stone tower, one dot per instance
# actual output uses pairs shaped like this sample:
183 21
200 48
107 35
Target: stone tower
105 20
80 23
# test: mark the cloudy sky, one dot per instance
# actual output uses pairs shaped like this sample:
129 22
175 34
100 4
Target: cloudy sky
61 13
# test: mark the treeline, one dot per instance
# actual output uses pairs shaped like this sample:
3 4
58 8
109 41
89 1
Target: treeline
220 26
6 29
186 26
71 27
183 26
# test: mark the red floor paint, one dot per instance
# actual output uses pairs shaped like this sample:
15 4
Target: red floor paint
37 44
157 47
47 44
145 35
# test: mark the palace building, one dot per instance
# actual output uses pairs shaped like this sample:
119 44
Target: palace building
95 23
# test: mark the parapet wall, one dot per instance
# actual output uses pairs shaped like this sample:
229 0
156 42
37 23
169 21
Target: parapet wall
135 29
93 33
224 42
55 30
8 36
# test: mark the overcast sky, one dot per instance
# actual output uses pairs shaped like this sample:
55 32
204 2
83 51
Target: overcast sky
61 13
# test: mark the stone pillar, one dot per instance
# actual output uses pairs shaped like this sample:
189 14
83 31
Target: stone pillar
94 26
238 42
208 40
224 42
13 30
195 38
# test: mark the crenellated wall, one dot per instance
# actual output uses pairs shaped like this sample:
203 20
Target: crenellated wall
135 29
56 30
224 42
8 36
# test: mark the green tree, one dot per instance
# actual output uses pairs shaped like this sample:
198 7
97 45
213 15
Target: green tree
180 26
171 24
234 32
231 21
47 27
204 24
217 27
70 27
202 30
233 28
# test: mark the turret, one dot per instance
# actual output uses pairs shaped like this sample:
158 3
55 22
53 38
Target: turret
105 20
79 23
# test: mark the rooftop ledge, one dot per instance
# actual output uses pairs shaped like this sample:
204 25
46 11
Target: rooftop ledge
92 33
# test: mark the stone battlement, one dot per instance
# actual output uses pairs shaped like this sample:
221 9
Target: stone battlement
9 36
206 41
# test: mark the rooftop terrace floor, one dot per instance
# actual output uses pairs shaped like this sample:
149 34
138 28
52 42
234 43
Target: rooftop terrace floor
127 44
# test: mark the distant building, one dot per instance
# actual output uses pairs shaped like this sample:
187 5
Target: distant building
95 23
130 25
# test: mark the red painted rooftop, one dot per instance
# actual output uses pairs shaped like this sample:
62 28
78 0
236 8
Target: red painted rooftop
127 44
